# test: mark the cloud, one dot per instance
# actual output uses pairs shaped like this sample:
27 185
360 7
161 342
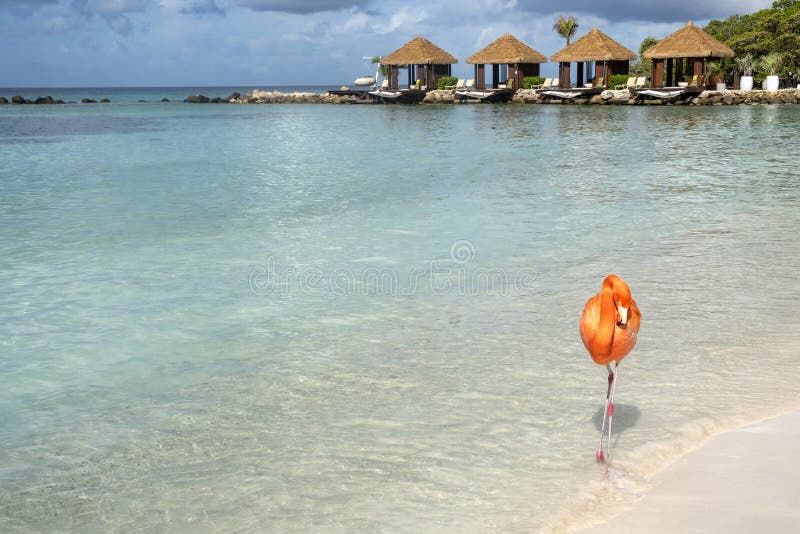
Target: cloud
303 7
636 10
24 7
404 18
116 13
203 7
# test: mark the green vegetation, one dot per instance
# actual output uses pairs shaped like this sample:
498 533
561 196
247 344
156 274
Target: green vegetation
527 81
641 67
746 64
566 28
618 79
776 29
446 81
381 68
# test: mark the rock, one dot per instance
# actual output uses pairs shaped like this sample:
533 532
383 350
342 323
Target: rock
233 96
3 100
88 101
105 101
44 100
165 99
344 88
197 99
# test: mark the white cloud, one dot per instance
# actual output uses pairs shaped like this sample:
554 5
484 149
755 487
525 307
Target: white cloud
405 17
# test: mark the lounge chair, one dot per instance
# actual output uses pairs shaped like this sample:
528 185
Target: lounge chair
469 85
385 84
693 82
459 85
641 81
631 83
600 82
539 85
549 83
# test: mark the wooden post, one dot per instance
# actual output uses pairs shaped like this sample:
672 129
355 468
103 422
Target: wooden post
657 73
563 75
670 74
480 77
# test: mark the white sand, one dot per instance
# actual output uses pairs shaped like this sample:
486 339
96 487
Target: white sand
743 481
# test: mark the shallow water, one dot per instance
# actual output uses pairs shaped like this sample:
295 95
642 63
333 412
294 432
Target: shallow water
361 318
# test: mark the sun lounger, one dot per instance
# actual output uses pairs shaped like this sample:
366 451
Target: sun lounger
641 81
627 85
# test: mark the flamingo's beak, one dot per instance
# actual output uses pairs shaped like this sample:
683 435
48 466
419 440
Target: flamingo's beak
623 314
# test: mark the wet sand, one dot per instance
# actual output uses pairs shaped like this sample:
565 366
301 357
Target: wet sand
742 481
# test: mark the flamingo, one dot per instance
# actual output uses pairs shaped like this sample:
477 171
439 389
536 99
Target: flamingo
609 325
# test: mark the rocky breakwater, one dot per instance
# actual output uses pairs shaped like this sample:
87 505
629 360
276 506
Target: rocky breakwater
704 98
441 96
269 97
735 98
45 100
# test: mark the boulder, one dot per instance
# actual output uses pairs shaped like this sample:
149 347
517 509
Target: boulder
44 100
88 101
197 99
104 101
165 99
233 96
3 100
17 100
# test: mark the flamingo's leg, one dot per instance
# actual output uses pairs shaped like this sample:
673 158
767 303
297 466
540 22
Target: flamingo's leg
611 408
600 457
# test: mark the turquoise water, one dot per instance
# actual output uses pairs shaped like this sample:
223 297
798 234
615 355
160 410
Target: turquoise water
364 318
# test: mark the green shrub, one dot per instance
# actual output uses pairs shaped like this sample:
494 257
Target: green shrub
527 81
617 79
444 81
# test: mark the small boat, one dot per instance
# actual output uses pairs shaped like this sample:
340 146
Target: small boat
365 80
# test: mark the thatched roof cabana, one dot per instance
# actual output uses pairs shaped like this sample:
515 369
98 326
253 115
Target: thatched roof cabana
691 43
428 60
522 60
609 56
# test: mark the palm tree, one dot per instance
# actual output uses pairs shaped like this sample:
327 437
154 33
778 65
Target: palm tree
566 28
381 68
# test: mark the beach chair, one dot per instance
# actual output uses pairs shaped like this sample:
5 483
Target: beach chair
539 85
469 85
641 81
459 85
600 82
549 83
631 83
693 82
385 84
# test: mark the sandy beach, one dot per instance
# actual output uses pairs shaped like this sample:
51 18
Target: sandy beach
742 481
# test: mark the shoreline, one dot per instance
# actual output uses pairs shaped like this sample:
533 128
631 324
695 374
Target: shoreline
739 481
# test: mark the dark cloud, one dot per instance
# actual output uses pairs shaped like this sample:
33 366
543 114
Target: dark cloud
203 7
637 10
299 6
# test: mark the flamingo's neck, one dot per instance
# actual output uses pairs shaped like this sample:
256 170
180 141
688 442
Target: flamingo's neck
608 313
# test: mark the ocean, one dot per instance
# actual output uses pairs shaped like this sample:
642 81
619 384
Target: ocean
284 318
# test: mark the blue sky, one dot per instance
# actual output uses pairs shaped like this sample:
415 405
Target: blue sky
55 43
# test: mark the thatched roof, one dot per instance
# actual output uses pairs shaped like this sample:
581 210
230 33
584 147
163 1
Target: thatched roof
594 46
419 51
507 49
689 41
